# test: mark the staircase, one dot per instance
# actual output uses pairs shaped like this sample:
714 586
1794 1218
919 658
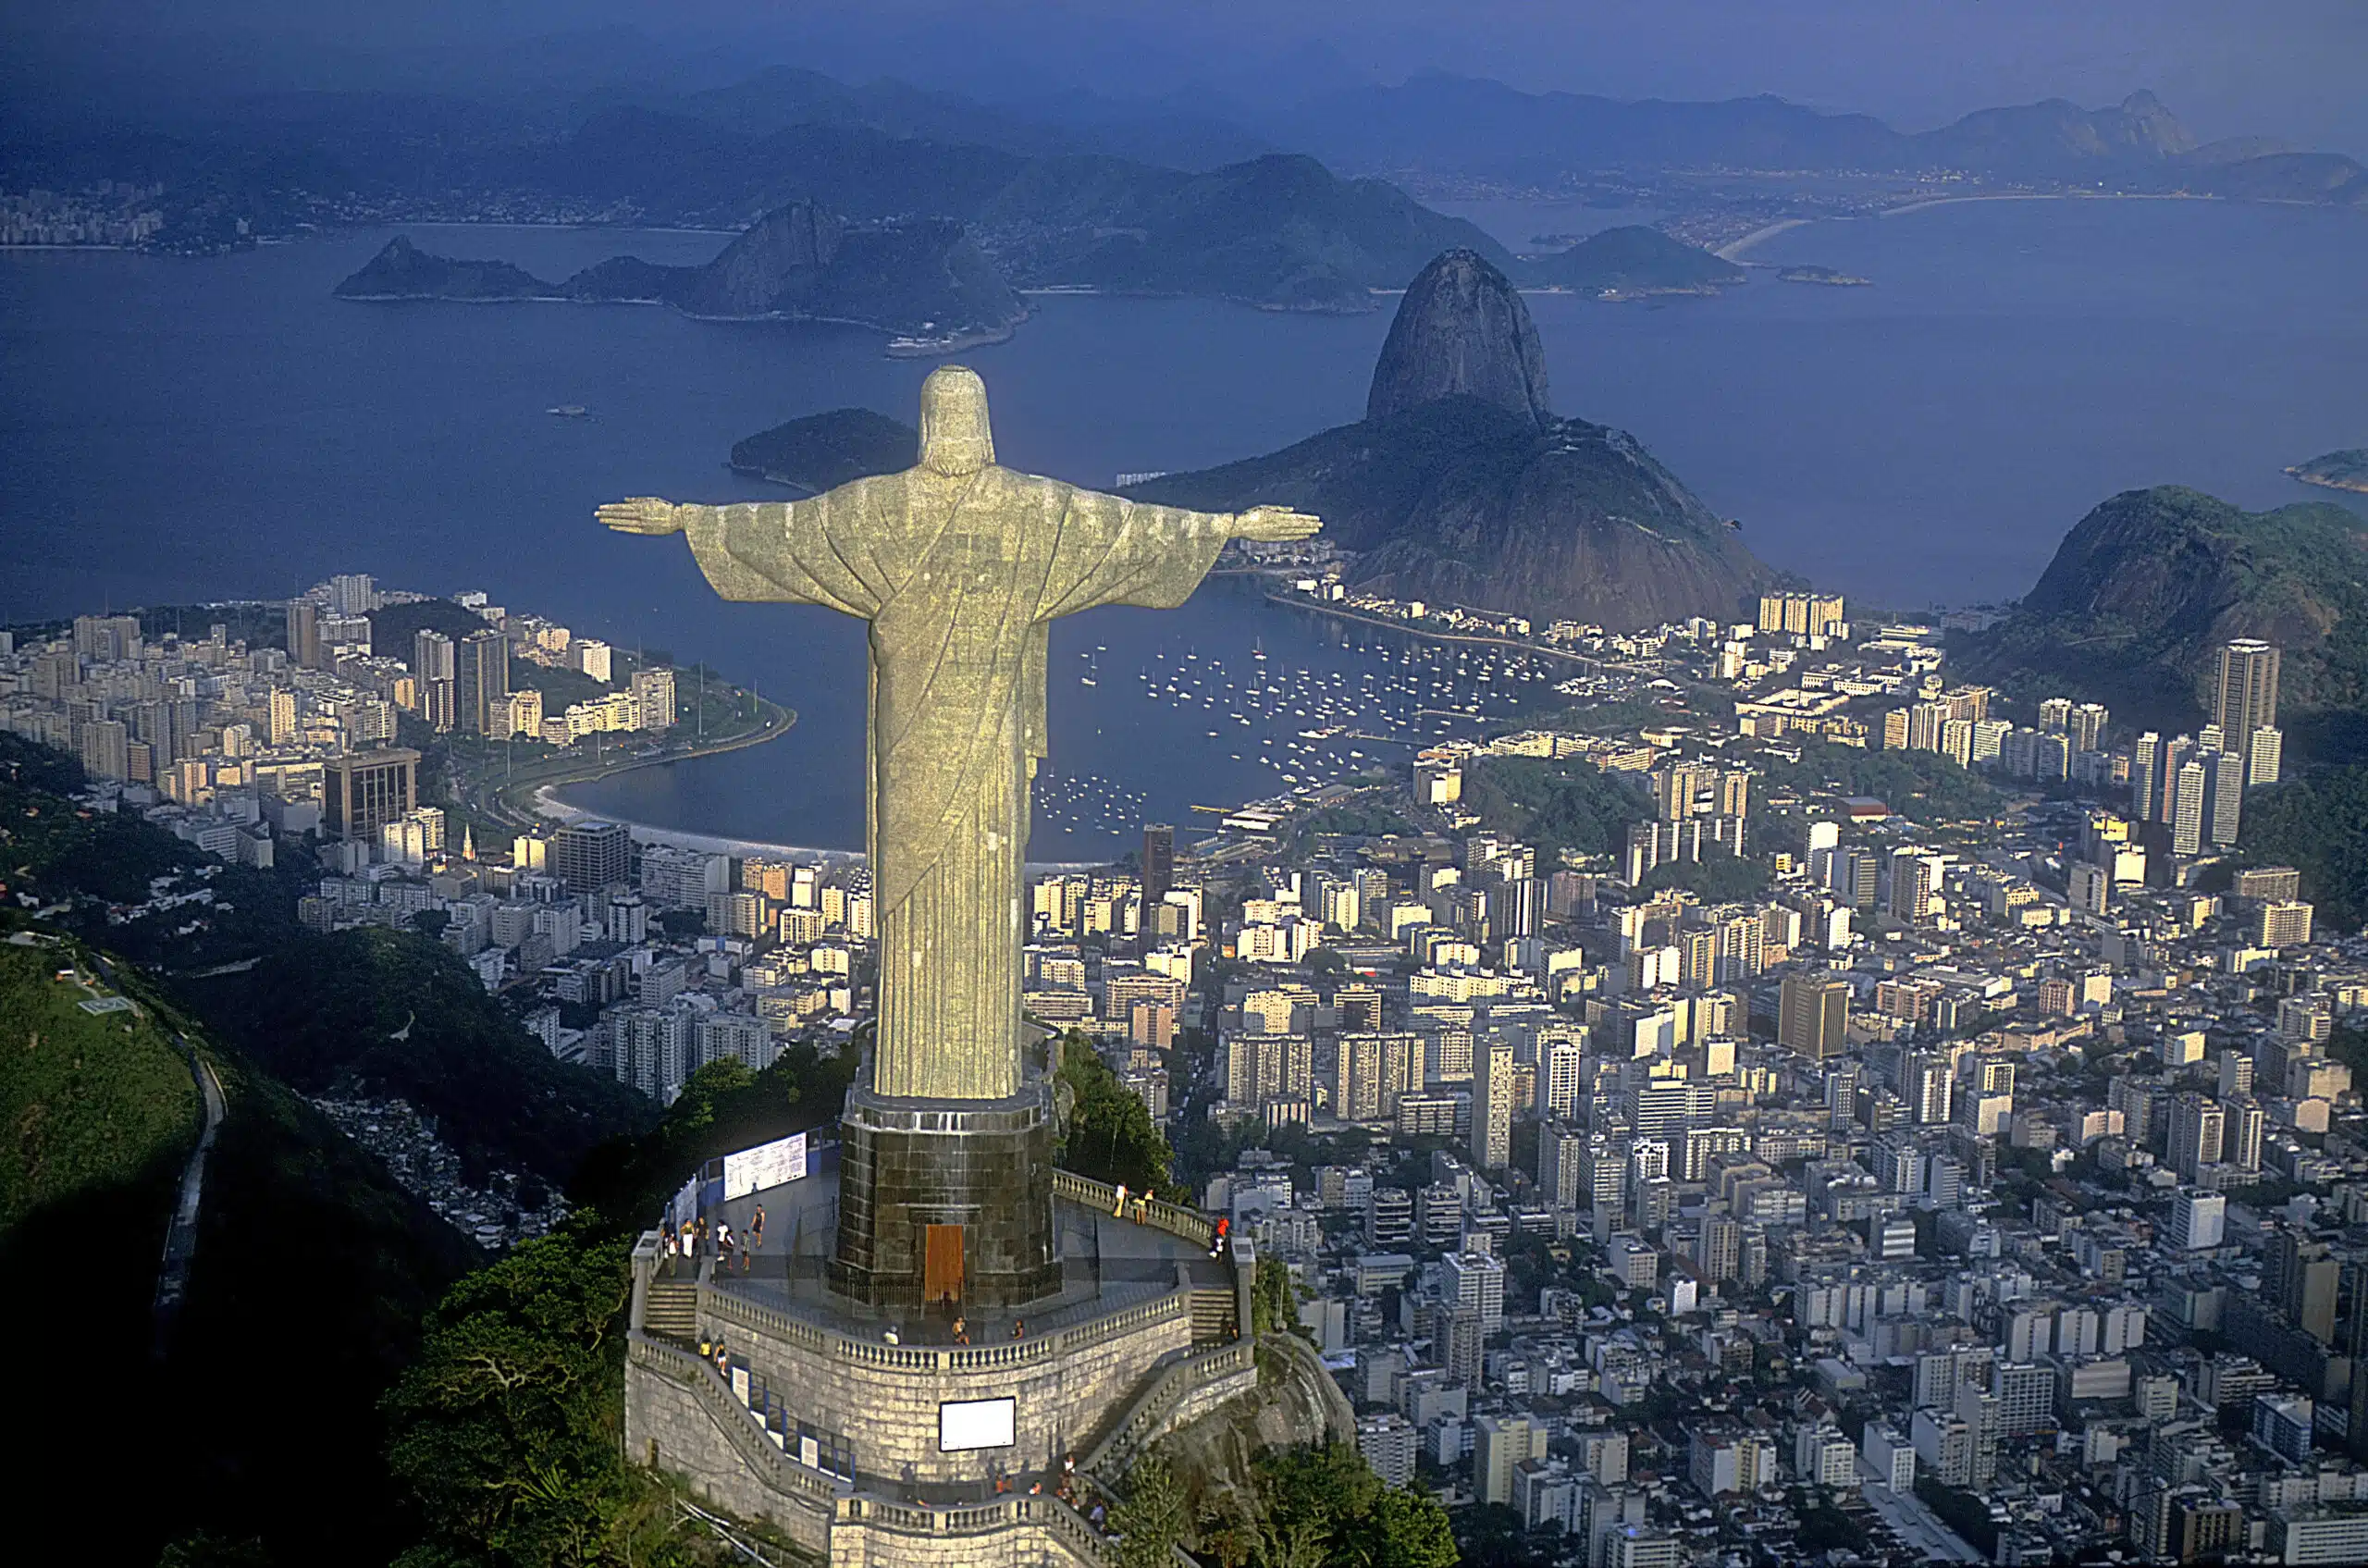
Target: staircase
1214 1317
671 1309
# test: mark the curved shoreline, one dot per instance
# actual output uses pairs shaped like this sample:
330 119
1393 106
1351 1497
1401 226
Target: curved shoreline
1735 248
538 806
1362 619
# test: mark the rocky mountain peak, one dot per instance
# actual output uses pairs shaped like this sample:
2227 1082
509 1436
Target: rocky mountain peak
1461 330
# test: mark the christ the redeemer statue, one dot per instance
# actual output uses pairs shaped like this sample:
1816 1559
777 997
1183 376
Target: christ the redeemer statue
961 566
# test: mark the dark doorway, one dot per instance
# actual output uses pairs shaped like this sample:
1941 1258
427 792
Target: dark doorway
941 1265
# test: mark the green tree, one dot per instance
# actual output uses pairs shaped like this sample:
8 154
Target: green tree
506 1430
1325 1507
1274 1302
1152 1518
1109 1136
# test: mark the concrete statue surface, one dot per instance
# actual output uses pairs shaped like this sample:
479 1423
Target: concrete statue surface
961 566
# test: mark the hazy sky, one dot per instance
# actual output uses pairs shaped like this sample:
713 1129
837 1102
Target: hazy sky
2292 68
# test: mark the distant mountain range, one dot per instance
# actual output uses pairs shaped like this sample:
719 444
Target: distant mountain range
1445 126
803 262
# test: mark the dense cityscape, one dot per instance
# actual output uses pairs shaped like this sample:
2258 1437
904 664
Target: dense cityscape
1972 1166
1236 786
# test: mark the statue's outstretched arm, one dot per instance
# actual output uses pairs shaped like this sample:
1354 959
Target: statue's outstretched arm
773 551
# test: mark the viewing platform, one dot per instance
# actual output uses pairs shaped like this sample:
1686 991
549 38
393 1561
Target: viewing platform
838 1423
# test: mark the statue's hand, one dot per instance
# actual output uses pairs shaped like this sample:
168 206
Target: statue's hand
642 514
1275 524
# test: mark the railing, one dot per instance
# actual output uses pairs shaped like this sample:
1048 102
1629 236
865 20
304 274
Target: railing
1167 1391
1191 1224
731 1308
739 1424
970 1519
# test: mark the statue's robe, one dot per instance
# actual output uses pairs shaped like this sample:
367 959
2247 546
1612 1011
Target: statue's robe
960 577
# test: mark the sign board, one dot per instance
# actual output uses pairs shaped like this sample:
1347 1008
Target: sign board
977 1424
767 1165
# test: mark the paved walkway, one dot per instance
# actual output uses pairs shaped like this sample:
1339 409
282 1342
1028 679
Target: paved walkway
180 1241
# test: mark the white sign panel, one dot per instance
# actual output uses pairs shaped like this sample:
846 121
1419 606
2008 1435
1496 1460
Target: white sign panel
976 1423
767 1165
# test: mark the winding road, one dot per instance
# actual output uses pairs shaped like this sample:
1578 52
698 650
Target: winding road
180 1241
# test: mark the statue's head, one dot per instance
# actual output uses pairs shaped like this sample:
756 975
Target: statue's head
955 436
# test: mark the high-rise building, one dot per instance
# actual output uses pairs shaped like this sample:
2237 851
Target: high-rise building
2197 1130
304 634
1357 1009
2244 697
2300 1280
2284 923
1559 1084
362 791
2264 755
2198 1220
590 855
1500 1444
1475 1283
2189 786
481 682
1492 1104
354 592
1813 1015
2146 778
654 693
2224 797
1159 863
432 668
106 750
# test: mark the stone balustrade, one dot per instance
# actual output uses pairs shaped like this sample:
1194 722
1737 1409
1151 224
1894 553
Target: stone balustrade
1150 1409
1191 1224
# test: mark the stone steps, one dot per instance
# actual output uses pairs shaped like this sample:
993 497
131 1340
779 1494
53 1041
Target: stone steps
1214 1317
671 1309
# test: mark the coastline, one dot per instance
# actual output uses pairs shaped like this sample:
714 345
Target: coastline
2349 487
506 799
1919 205
1362 619
1734 249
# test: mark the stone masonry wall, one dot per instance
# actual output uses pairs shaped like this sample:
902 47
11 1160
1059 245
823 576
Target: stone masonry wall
885 1400
667 1427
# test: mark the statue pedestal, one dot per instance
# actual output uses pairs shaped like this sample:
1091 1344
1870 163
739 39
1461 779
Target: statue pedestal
943 1199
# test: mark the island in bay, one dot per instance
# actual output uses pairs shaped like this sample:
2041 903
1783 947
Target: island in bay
1831 276
2345 470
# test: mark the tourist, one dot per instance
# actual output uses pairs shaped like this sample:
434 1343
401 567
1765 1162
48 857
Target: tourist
723 1247
889 1334
1118 1211
757 1229
961 1330
672 1247
1217 1240
1019 1328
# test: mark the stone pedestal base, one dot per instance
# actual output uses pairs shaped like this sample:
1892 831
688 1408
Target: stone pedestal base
908 1165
